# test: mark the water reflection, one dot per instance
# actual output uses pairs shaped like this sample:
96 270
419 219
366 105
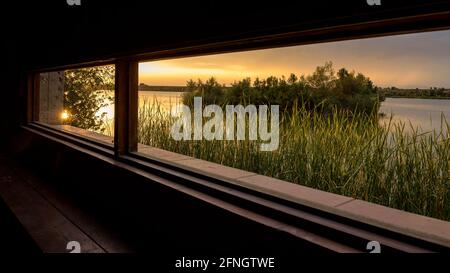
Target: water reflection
422 114
164 99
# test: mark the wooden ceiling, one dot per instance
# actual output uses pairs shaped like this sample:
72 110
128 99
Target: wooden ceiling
52 33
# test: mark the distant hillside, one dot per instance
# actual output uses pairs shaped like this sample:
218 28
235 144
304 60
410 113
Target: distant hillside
145 87
431 93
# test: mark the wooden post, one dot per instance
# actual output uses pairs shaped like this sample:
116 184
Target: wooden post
35 95
126 100
133 106
30 98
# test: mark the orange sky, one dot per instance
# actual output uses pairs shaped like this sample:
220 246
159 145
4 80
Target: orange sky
414 60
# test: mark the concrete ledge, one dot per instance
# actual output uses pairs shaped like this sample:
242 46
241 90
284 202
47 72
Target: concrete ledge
430 229
161 154
202 166
427 228
294 192
84 133
214 169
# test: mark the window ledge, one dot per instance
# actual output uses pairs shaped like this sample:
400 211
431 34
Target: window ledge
273 195
418 226
82 133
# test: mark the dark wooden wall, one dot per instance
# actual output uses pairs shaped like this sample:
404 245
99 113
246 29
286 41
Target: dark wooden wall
47 33
43 34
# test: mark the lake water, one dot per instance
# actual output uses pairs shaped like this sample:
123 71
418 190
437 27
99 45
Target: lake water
165 99
425 114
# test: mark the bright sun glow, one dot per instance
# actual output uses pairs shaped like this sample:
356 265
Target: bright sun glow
383 58
64 115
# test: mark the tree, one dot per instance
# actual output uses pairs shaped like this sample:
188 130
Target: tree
323 89
86 91
210 91
323 77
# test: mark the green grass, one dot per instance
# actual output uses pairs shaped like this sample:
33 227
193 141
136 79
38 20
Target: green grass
345 154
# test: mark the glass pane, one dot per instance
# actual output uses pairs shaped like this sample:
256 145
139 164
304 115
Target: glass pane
80 101
364 118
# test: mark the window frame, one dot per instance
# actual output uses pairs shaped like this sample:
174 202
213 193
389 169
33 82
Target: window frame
126 67
126 94
32 109
126 108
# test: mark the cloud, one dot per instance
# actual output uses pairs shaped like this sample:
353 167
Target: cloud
412 60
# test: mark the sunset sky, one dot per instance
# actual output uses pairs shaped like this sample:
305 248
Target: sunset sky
406 61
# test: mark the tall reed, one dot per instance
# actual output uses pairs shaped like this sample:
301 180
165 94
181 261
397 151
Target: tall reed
343 153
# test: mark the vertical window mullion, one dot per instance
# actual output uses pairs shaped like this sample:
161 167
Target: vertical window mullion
35 79
126 103
133 106
121 108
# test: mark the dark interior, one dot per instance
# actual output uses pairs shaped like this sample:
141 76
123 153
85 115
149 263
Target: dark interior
145 215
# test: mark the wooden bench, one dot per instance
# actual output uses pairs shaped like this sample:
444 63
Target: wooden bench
51 220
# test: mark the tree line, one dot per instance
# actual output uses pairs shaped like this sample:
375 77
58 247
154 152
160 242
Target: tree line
431 93
324 90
